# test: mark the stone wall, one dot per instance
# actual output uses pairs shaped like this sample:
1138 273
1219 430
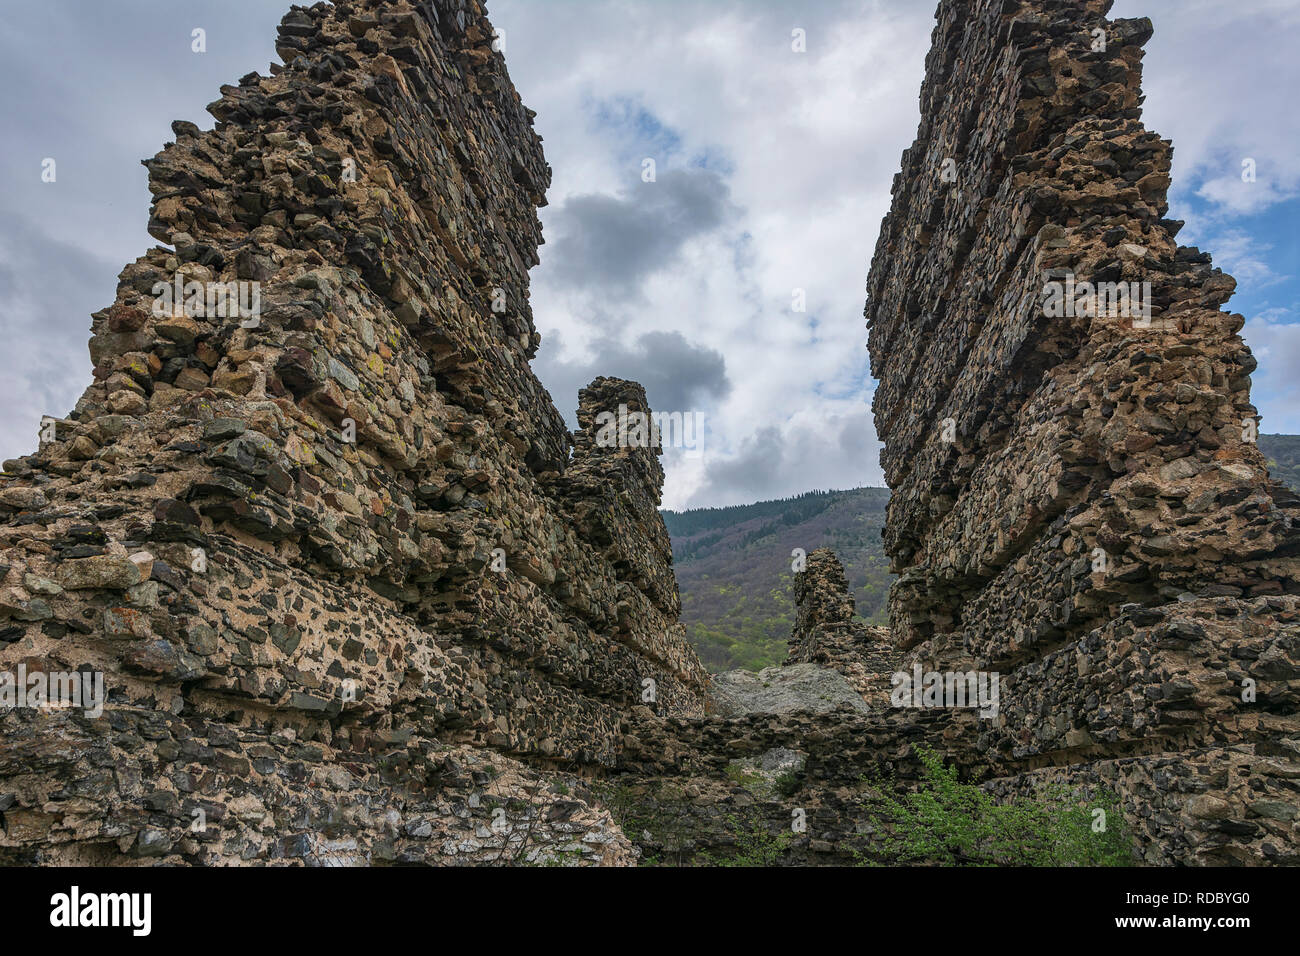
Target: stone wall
356 593
1077 500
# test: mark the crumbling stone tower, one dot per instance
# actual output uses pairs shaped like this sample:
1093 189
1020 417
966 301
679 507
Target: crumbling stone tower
356 592
827 633
1077 501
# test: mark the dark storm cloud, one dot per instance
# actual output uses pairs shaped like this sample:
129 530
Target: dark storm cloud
678 376
612 243
754 473
33 265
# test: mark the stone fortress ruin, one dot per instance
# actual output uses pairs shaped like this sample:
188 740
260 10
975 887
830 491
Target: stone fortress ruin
360 598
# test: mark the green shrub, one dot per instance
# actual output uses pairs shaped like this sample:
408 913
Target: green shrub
950 823
755 844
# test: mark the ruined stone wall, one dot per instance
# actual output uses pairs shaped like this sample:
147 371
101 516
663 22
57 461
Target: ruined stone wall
1145 713
356 593
827 633
1076 499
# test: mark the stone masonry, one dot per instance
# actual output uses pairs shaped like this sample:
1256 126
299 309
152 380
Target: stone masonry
1077 501
356 593
827 633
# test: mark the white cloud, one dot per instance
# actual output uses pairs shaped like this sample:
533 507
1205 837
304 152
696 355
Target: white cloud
1244 257
805 147
808 144
1220 81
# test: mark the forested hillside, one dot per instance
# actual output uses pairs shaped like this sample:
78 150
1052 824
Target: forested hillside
733 564
734 568
1283 454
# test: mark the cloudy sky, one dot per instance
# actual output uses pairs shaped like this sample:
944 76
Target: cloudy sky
772 171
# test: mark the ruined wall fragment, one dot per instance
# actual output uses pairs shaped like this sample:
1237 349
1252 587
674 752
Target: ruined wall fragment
827 633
